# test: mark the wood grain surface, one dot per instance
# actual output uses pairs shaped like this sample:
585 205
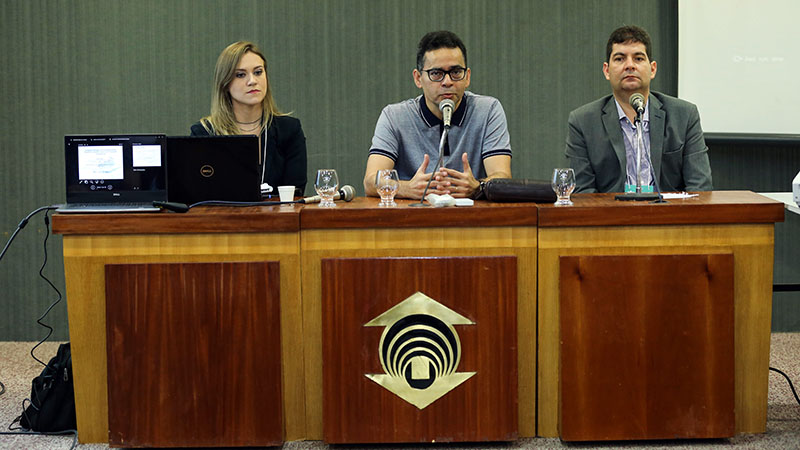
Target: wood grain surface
85 257
363 212
707 208
194 354
428 242
588 210
752 249
647 347
715 222
201 219
357 290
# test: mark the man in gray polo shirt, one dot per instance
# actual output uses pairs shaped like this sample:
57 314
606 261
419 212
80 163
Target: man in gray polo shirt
407 133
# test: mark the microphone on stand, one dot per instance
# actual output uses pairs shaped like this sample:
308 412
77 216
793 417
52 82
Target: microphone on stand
346 193
447 106
637 101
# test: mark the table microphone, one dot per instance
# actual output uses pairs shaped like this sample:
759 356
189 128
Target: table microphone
637 101
447 106
345 193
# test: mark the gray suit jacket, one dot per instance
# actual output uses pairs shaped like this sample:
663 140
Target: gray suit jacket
596 149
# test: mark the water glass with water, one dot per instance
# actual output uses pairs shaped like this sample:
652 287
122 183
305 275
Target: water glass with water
387 182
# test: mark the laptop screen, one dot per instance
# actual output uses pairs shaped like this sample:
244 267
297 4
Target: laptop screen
116 168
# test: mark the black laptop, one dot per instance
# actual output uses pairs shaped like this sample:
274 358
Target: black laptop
115 173
202 168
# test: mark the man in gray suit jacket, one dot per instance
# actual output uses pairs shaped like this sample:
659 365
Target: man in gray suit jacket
601 142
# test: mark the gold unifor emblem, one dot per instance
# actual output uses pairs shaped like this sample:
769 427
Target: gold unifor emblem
419 350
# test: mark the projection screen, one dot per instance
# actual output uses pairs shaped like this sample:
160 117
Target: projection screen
739 62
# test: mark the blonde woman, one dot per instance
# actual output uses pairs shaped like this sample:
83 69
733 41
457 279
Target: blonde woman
242 103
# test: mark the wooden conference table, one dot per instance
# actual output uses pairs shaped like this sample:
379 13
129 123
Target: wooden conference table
252 326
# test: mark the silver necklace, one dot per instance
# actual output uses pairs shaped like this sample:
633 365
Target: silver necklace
253 128
249 123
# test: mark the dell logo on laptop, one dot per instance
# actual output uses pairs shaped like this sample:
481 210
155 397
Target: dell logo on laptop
207 171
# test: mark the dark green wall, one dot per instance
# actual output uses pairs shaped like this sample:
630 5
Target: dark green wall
101 66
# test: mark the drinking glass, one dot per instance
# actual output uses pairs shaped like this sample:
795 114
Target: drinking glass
387 182
325 185
563 184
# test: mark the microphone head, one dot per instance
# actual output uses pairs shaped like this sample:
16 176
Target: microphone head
447 103
348 192
636 100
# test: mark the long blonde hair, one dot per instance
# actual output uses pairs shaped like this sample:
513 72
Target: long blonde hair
222 120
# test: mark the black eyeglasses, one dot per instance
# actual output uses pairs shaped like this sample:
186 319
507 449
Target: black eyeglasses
456 74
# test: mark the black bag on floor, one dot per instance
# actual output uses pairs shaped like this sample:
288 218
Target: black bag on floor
52 406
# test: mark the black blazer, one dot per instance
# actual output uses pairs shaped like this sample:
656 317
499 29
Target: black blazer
286 153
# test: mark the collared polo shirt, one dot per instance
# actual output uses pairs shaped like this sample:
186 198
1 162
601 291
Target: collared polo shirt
408 130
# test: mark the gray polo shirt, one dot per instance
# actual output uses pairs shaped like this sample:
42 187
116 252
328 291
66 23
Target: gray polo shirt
408 130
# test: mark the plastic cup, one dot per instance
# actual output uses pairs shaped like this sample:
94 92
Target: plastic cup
286 193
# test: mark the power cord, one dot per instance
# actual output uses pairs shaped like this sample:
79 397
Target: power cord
18 430
22 225
42 276
183 207
791 386
660 198
232 203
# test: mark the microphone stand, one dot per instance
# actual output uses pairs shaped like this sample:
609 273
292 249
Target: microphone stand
638 195
435 169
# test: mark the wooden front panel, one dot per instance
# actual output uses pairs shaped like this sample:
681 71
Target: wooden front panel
647 347
194 354
85 258
356 291
752 248
518 242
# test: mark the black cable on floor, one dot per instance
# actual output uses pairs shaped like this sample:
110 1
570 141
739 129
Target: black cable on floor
42 276
19 228
22 224
790 383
